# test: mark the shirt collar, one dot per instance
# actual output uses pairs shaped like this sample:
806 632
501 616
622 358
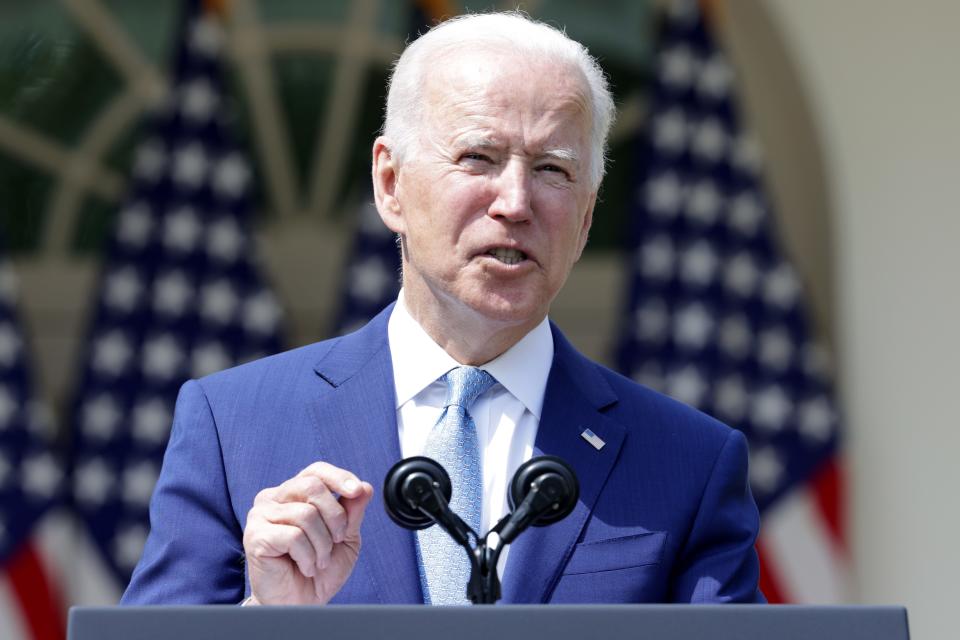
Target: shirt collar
418 361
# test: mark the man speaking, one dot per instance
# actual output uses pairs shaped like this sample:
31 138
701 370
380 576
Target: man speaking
487 170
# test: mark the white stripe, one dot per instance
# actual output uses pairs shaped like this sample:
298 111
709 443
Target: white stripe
809 565
12 624
75 564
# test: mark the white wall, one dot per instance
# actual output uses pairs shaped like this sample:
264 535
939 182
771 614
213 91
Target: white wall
884 85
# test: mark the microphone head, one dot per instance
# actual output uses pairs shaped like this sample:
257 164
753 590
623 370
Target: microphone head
555 478
405 482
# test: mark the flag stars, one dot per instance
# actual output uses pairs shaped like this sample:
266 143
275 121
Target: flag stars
670 130
716 77
736 336
731 398
261 313
687 385
677 67
657 258
370 279
225 240
699 264
101 416
198 100
135 225
218 302
138 482
710 140
95 483
766 470
652 320
231 175
775 349
747 154
171 293
112 353
8 408
741 275
771 408
664 195
182 230
704 203
209 358
190 165
6 469
41 476
746 214
693 325
162 357
128 545
206 37
151 421
781 287
150 161
10 345
815 419
122 289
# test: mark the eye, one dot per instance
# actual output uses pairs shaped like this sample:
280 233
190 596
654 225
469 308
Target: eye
475 157
554 168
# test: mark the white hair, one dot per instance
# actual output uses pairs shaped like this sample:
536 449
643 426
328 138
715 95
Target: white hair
511 31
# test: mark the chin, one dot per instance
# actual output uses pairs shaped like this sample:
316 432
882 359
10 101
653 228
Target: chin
507 309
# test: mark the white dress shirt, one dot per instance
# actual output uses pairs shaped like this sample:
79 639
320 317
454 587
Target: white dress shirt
507 415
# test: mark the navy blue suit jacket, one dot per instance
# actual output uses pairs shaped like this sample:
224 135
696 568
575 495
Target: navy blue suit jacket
664 515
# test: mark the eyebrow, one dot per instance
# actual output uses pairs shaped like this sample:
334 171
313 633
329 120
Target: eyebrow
483 142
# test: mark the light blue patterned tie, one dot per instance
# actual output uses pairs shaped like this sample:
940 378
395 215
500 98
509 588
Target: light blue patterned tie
444 566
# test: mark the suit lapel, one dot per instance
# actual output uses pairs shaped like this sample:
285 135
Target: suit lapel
575 394
356 420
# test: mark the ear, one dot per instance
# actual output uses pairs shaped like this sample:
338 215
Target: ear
585 226
386 174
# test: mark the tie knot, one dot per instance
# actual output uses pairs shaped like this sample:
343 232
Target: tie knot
465 385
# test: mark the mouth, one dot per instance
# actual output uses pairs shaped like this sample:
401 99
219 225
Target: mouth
507 256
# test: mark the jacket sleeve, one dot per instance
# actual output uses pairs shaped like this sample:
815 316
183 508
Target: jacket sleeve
719 562
194 553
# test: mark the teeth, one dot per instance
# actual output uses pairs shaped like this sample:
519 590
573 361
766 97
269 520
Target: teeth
507 256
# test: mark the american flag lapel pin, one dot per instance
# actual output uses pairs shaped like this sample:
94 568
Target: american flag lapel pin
593 439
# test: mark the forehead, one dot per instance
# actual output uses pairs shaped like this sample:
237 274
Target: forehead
470 88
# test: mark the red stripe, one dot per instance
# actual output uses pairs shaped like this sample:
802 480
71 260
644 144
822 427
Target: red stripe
770 583
827 488
41 606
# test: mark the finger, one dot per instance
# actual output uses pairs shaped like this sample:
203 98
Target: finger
355 508
308 520
336 479
271 540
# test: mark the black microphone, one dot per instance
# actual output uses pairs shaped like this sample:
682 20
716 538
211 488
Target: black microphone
544 490
416 494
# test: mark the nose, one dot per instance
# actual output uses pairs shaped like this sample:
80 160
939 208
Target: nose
513 194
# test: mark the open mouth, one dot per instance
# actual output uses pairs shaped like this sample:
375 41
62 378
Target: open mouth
507 256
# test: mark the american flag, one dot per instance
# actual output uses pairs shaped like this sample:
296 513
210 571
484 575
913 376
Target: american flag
180 296
31 483
715 316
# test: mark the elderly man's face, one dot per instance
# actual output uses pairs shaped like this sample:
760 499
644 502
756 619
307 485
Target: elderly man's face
495 202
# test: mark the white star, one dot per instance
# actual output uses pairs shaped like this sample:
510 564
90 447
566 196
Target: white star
190 165
10 344
771 408
775 349
218 301
138 482
112 353
162 357
206 36
652 320
657 258
8 408
171 293
101 417
95 482
687 385
683 12
261 313
224 240
766 469
8 283
198 100
122 289
151 421
704 203
670 130
135 225
128 545
736 336
182 230
41 475
745 214
664 195
5 469
692 327
677 67
150 161
741 275
370 279
781 287
698 267
209 358
649 374
710 140
231 175
816 418
747 154
730 398
715 77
